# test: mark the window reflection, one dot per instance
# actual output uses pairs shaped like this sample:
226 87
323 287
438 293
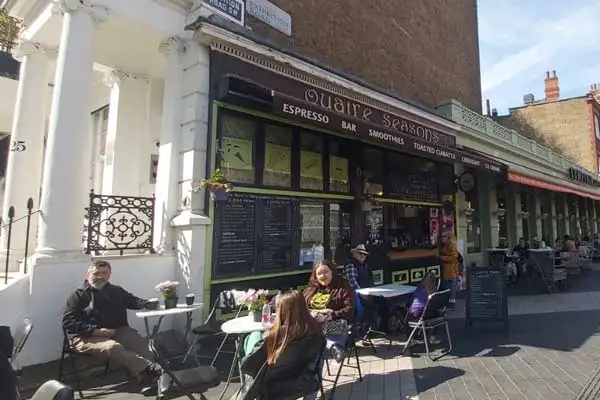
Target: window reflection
339 167
311 161
237 148
312 236
340 233
278 156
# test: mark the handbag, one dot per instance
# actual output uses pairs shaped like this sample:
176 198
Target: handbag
337 327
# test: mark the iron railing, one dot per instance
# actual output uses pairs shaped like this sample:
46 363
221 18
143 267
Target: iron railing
9 232
119 223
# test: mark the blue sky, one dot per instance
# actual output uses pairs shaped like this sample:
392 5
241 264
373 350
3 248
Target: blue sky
520 40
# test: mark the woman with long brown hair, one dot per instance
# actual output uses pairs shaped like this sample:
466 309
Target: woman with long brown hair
330 299
293 322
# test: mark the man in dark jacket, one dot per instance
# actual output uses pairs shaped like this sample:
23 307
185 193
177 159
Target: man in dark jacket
95 318
8 378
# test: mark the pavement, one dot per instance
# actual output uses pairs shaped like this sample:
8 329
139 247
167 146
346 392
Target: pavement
552 352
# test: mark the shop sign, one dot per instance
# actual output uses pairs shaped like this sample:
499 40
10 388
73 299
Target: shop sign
233 10
270 14
363 129
583 176
353 109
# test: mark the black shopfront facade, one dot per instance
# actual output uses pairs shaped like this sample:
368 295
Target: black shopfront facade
316 173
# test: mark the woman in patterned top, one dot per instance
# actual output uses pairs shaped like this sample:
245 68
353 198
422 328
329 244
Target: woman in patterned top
330 298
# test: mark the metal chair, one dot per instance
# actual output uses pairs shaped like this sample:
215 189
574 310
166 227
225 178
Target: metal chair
226 301
67 349
20 338
349 348
188 380
53 390
434 315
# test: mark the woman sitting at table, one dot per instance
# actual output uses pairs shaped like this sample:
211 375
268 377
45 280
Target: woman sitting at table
330 300
293 322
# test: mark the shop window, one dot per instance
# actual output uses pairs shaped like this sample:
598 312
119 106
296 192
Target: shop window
339 160
412 227
501 206
473 221
237 148
278 156
597 126
372 165
312 233
411 178
546 218
311 161
340 232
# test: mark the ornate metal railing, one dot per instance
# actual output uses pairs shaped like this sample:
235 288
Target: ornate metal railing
118 223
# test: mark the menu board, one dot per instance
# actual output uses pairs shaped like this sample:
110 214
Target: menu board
486 296
277 233
417 186
237 235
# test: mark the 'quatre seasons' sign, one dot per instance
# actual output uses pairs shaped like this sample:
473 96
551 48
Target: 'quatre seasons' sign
343 105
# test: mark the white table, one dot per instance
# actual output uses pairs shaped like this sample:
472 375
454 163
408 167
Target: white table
162 312
239 327
387 291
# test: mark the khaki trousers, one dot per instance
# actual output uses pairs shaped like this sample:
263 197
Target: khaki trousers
127 349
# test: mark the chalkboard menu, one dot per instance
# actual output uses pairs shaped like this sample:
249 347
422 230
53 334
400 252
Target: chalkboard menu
417 186
236 235
486 296
277 234
255 233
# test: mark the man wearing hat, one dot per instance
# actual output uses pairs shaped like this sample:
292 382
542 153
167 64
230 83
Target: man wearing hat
358 274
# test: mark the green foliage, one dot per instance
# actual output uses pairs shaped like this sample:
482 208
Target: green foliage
10 28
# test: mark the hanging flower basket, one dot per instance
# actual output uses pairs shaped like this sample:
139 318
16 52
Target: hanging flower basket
217 184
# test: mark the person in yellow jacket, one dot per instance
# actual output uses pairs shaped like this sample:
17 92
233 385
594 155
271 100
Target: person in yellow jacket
448 255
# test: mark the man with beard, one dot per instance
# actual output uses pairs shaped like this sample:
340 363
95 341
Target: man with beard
95 319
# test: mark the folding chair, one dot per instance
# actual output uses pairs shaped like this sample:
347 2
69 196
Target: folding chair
434 315
53 390
20 338
349 348
187 380
69 350
226 301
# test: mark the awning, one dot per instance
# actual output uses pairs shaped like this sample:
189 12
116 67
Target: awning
540 184
304 112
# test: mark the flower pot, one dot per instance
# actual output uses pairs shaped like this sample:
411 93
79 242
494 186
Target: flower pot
171 302
256 316
219 194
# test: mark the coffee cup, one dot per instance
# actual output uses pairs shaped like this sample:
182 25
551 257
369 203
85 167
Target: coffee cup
189 299
153 304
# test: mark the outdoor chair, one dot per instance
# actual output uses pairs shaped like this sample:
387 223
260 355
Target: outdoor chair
20 337
68 350
229 301
551 274
53 390
433 316
187 380
297 372
350 350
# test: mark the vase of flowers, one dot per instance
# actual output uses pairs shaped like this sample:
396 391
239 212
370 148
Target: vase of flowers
218 185
168 291
255 300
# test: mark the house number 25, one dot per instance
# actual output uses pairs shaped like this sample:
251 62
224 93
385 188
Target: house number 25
18 146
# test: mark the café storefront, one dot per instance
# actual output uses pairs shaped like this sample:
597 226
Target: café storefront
316 173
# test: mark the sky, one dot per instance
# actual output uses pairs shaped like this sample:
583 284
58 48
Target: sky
519 40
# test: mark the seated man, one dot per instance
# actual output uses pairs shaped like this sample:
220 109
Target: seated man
95 318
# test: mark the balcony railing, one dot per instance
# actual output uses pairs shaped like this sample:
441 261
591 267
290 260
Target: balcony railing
118 223
486 126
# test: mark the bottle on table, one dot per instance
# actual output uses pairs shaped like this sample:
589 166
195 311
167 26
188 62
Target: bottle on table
266 313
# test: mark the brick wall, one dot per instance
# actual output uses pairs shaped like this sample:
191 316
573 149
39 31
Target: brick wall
425 50
563 125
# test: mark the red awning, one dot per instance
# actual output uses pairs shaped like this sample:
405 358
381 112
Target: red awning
526 180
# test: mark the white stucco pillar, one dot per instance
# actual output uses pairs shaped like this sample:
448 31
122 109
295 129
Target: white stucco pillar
190 224
66 173
167 180
126 151
26 152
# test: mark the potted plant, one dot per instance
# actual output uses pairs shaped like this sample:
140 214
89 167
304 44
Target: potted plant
168 291
255 300
218 185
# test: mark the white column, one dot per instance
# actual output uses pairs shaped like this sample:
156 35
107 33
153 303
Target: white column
24 168
126 149
167 180
64 194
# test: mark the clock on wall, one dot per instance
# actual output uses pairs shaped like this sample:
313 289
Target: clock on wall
466 182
